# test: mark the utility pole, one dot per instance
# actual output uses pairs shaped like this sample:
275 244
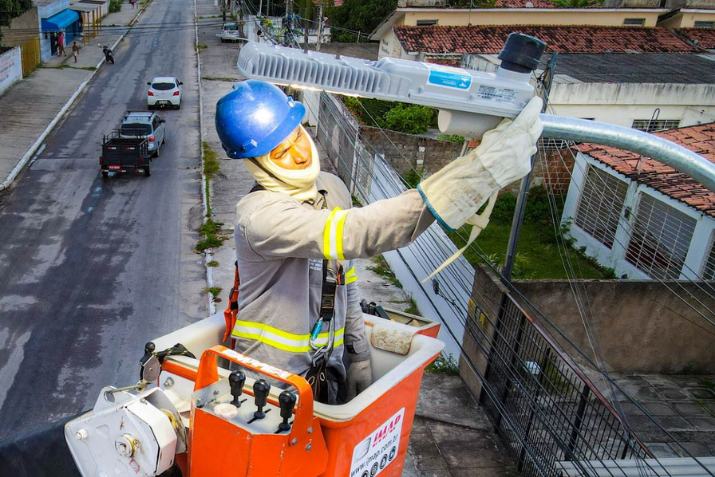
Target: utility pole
320 24
288 36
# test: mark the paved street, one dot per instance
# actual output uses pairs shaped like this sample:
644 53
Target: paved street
91 269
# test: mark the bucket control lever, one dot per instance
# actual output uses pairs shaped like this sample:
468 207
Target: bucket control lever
286 400
236 380
261 388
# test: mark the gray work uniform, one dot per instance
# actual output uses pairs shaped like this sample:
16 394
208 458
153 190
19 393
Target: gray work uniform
281 244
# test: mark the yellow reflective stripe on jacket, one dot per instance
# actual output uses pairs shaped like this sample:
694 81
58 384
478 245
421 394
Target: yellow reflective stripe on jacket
281 339
333 235
351 276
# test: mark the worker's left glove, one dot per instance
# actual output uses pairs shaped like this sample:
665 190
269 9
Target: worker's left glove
359 376
456 192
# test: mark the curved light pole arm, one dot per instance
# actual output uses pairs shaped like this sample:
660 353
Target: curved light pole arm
667 152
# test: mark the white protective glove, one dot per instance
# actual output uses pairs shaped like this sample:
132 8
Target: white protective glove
456 192
359 376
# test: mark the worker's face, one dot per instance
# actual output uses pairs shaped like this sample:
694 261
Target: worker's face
294 152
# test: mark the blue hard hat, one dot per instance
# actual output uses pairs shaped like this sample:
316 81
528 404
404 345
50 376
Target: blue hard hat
254 118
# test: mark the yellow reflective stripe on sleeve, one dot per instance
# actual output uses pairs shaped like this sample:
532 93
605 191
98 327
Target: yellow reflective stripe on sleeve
351 276
280 339
333 235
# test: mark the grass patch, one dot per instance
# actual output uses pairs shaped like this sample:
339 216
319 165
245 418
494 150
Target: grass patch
209 230
212 264
706 383
539 254
383 269
211 162
201 47
444 365
219 78
215 292
413 309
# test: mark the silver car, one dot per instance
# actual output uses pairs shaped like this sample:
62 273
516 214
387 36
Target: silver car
145 124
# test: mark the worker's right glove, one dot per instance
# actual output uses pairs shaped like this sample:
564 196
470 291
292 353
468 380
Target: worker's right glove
359 377
456 192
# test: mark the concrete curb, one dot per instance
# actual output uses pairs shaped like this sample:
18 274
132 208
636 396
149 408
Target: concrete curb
208 256
70 102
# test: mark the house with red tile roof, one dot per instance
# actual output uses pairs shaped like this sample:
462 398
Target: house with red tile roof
629 76
419 13
640 217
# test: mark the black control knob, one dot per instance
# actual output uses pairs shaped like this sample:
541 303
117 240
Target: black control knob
236 380
286 401
261 388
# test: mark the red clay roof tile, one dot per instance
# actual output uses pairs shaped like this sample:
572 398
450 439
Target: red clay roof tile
699 139
705 37
489 39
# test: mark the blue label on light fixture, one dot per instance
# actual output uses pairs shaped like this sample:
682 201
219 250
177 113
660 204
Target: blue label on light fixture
450 79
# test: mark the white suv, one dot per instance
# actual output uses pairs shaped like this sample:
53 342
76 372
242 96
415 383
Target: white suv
164 91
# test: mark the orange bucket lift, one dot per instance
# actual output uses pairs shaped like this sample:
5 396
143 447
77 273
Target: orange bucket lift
238 426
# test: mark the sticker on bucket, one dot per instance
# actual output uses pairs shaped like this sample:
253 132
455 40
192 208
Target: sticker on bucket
379 449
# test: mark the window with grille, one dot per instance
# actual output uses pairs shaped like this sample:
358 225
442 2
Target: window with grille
651 125
709 268
600 205
704 25
634 22
426 22
660 239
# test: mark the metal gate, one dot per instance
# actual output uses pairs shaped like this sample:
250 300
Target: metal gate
543 408
30 55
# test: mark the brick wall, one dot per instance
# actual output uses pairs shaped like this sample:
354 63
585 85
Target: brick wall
406 152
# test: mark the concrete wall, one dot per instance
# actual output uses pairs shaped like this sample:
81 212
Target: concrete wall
10 68
640 326
406 152
367 51
621 103
22 28
687 19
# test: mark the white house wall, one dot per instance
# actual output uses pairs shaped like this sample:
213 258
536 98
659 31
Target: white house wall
615 258
692 104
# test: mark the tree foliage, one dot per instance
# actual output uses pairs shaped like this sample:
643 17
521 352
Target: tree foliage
10 9
357 16
576 3
405 118
471 3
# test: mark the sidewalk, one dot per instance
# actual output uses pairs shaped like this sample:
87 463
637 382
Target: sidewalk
33 106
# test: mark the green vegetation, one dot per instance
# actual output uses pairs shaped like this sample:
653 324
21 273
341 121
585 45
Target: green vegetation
413 309
401 117
219 78
576 3
212 264
444 364
414 177
115 6
706 383
211 163
471 3
450 138
383 269
201 47
215 291
361 16
209 231
539 254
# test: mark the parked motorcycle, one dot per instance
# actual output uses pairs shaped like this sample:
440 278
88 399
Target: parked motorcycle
108 55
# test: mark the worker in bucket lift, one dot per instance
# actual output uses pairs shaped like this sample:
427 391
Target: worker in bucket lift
296 233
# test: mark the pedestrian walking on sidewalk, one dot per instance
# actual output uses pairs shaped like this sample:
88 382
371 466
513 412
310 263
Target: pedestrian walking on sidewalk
134 3
75 50
61 44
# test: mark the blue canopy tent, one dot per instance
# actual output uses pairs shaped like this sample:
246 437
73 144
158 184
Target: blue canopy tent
66 20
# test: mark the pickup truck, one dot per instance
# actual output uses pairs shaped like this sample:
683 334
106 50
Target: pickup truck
124 154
